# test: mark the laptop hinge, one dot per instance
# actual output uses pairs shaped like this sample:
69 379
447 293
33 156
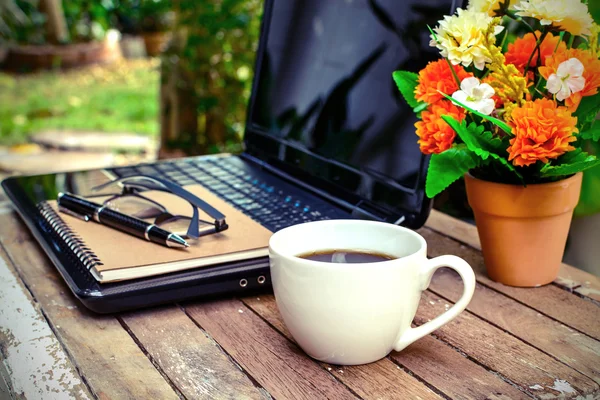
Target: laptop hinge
364 211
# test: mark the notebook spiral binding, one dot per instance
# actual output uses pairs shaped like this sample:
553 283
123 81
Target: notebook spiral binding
87 257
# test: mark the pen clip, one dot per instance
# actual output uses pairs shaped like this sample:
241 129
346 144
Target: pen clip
72 213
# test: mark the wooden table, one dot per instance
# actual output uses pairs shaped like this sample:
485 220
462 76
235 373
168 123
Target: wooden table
511 343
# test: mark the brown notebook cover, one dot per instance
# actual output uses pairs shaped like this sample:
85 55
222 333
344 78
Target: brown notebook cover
122 256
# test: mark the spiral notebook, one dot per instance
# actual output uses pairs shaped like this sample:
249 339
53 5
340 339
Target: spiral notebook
111 255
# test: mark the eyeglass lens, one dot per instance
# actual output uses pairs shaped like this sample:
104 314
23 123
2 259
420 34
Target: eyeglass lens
142 208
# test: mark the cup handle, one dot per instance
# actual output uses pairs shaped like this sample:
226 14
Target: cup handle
468 277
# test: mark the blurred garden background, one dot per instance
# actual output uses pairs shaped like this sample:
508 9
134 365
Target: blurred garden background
125 77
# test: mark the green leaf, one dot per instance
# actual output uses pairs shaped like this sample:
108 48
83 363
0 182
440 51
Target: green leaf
481 142
571 163
500 124
407 82
447 167
589 201
477 140
420 107
591 134
588 109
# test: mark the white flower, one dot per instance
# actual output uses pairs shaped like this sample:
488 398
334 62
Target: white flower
567 80
461 37
570 15
476 95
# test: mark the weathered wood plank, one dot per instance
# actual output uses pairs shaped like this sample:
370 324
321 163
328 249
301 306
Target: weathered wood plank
559 304
443 368
454 228
6 392
192 361
3 197
519 362
275 363
569 277
580 352
5 205
37 364
455 375
112 363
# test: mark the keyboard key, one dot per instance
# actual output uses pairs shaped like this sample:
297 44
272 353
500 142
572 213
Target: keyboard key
231 195
146 170
165 166
185 181
219 186
224 191
251 206
242 201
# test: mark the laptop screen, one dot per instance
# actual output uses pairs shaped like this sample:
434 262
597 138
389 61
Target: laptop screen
324 103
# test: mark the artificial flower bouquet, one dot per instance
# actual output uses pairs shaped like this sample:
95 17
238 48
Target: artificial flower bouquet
514 96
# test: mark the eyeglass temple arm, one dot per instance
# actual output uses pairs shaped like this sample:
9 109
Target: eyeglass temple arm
220 223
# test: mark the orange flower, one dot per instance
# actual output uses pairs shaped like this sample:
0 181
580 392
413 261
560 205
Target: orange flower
434 133
542 131
519 52
437 75
591 73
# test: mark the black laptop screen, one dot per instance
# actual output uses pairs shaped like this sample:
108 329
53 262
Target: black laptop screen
324 101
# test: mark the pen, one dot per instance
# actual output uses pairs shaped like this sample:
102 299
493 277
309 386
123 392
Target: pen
86 210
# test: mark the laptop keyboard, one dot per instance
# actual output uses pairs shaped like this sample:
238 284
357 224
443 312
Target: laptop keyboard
267 200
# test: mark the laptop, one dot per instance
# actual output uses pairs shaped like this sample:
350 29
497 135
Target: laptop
327 136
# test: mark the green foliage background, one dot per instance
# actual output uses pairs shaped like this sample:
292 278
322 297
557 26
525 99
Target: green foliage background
589 202
22 22
215 57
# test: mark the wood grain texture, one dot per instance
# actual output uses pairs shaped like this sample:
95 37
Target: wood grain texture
433 361
275 363
113 365
499 351
577 280
551 300
380 380
572 348
192 361
6 391
452 373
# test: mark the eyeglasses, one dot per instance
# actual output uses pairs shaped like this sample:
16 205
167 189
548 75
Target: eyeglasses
133 202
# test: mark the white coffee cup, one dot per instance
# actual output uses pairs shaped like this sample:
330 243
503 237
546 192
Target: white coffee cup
358 313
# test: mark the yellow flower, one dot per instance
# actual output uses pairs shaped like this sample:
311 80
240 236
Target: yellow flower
569 15
506 79
594 44
462 38
488 6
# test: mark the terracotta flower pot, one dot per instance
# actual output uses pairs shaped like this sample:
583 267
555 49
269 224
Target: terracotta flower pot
523 230
31 58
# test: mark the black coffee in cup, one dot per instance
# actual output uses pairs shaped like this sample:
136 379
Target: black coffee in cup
346 256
